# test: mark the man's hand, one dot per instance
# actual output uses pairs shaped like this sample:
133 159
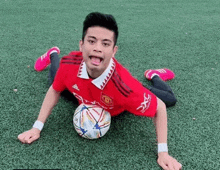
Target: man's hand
49 102
167 162
29 136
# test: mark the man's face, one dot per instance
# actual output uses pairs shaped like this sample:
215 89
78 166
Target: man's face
97 49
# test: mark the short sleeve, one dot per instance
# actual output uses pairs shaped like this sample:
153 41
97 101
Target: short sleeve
141 101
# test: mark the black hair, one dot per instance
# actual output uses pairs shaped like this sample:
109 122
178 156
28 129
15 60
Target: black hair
103 20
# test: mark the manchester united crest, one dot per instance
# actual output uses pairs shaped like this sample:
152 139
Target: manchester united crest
107 100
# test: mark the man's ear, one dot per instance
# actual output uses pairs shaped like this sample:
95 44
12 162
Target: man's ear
115 50
80 45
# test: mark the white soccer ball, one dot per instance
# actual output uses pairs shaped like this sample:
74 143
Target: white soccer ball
91 121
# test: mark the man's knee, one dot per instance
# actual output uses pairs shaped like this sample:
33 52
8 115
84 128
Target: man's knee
171 101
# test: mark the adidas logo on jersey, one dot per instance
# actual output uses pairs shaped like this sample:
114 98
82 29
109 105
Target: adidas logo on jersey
75 87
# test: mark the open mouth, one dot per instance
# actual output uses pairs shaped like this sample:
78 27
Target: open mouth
96 60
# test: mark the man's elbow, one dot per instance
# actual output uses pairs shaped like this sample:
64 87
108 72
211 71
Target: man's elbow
160 105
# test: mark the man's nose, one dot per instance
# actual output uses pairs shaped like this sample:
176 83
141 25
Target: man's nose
98 47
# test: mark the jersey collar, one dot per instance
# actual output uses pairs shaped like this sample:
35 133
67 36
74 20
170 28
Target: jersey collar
101 81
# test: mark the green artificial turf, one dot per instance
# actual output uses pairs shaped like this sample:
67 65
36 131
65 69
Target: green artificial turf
181 35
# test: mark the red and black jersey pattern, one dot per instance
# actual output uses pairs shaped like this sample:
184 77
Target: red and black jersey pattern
73 58
120 85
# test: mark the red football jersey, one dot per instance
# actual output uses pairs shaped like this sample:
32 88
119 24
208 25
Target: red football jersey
116 90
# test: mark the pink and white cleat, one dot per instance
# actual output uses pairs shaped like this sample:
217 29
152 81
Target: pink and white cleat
165 74
43 61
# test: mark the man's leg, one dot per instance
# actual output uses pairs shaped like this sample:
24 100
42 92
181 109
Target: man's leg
163 91
51 58
55 61
160 88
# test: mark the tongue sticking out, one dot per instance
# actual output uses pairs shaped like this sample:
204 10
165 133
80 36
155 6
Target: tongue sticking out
95 60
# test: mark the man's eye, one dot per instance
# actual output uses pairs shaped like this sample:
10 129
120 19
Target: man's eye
91 41
106 44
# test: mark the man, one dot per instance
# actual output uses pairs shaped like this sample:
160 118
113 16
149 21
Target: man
94 76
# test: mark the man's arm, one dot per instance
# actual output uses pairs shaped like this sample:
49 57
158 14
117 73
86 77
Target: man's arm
49 102
164 159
